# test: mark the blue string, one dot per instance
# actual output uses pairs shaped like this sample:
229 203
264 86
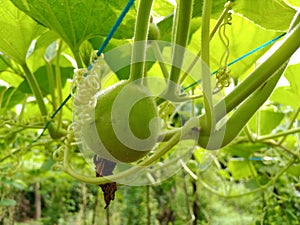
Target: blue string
115 27
102 47
240 58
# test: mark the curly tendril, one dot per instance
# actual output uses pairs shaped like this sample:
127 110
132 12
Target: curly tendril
86 83
223 74
223 77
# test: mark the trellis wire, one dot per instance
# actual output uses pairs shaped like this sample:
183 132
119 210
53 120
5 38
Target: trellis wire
240 58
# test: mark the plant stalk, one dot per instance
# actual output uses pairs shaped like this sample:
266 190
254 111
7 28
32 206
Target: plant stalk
183 19
38 96
181 27
227 7
58 83
206 83
137 68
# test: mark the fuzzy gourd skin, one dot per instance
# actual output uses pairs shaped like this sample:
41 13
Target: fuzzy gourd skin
110 117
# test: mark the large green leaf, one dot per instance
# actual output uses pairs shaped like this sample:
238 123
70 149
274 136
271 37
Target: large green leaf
17 31
77 21
241 169
289 95
293 3
11 98
270 14
4 63
166 25
269 119
217 8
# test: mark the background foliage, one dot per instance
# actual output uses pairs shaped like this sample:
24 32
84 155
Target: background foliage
254 180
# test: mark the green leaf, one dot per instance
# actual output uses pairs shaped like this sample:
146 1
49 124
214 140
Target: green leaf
239 169
7 202
289 95
293 3
294 170
48 164
77 21
162 8
203 157
12 97
285 96
217 8
292 75
244 150
42 79
166 25
4 63
17 31
269 119
270 14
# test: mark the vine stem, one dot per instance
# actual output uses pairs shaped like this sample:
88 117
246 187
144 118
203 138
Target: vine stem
160 59
38 95
227 7
279 134
183 18
58 82
181 28
263 187
51 82
206 84
77 57
133 170
290 125
139 41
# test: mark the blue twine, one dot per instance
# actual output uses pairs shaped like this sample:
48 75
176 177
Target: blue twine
115 27
240 58
99 52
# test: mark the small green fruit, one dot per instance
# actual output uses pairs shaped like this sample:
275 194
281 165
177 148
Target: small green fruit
154 33
126 121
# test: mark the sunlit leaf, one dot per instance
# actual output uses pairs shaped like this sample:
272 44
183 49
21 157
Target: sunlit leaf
166 25
285 96
217 8
17 30
4 63
239 169
162 8
293 3
12 97
289 95
270 14
294 170
269 119
77 21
